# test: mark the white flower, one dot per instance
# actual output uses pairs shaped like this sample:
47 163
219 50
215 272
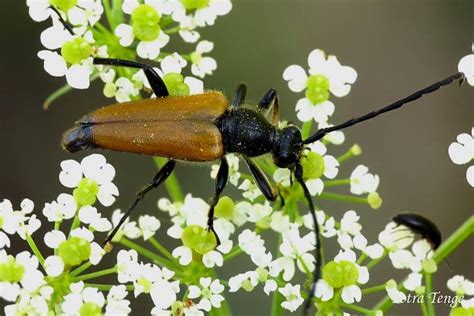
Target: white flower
251 190
63 208
202 16
151 50
127 266
93 167
292 294
396 236
362 181
203 65
413 281
86 12
462 152
89 215
128 228
18 222
460 285
116 302
466 66
149 225
323 290
79 295
338 83
54 265
39 9
210 293
353 292
336 137
234 174
395 295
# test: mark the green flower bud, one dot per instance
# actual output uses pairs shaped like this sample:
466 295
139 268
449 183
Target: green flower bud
64 5
313 165
175 84
76 50
225 208
420 290
74 251
374 200
247 285
194 4
86 192
199 239
11 271
429 266
264 223
110 89
317 89
262 274
177 308
145 23
460 311
90 309
196 57
333 274
356 150
350 273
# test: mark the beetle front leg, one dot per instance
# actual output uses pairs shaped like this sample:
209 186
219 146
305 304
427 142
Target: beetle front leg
261 180
221 181
157 84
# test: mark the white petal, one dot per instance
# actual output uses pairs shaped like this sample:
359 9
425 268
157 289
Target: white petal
470 175
296 77
54 64
77 76
316 59
304 108
71 173
466 66
54 265
107 193
196 86
351 293
125 34
53 238
129 5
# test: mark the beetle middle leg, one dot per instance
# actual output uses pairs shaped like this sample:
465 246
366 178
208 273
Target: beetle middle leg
160 177
221 181
157 84
261 180
270 100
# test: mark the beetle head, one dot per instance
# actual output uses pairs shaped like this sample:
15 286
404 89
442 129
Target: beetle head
287 147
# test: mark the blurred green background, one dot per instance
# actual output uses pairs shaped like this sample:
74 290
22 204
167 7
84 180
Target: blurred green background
395 46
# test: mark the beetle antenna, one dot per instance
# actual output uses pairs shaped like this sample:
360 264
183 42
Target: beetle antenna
317 269
66 25
398 104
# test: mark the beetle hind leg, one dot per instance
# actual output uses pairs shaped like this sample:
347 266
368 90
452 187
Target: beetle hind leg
221 181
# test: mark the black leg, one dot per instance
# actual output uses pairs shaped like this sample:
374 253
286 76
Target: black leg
156 83
261 180
160 177
270 100
318 256
221 181
395 105
240 94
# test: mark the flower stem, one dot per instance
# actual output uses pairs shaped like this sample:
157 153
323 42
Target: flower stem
374 289
357 308
160 248
107 287
453 241
424 311
332 183
35 249
80 269
95 274
374 262
343 198
277 297
172 183
306 129
75 223
233 253
429 289
147 253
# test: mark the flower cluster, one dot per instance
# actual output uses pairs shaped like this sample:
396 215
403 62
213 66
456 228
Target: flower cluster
134 29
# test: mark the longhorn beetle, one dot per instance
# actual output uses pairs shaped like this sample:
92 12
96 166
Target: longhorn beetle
422 226
203 128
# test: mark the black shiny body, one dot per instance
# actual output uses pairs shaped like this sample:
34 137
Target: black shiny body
246 131
420 225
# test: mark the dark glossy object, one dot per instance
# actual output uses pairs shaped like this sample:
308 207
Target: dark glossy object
422 226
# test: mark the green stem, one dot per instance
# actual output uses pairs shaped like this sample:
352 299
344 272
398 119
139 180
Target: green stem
172 30
306 129
108 13
172 183
429 289
233 253
147 253
374 262
95 274
424 311
80 269
357 308
453 241
107 287
35 249
76 222
277 297
332 183
374 289
160 248
343 198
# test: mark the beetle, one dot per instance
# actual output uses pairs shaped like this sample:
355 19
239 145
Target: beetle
205 127
422 226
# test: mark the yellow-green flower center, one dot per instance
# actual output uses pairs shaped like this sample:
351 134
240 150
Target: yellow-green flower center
74 251
317 89
11 271
195 4
225 208
86 192
145 23
313 165
174 82
64 5
76 50
199 239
